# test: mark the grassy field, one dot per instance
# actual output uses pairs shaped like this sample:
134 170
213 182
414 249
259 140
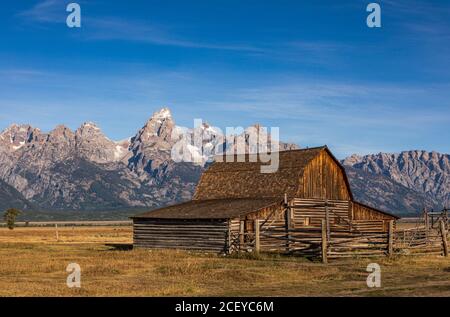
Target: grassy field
33 263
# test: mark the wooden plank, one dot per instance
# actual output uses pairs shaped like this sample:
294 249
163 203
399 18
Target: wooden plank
241 235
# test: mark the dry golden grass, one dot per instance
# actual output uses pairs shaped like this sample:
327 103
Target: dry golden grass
119 234
33 264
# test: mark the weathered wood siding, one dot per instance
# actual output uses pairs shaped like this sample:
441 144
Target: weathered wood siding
204 235
370 226
309 213
369 220
306 212
324 178
361 212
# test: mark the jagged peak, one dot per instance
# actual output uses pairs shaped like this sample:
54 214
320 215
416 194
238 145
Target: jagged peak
15 127
158 117
89 125
61 127
162 114
61 130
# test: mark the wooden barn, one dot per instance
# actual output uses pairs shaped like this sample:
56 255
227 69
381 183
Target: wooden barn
309 187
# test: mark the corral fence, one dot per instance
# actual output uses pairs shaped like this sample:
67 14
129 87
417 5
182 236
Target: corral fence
421 241
432 219
322 243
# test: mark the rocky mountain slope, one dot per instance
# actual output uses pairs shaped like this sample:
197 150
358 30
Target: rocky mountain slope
425 173
386 194
84 170
10 197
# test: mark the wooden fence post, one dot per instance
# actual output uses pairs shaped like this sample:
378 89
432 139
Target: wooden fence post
391 238
257 238
444 238
57 234
241 235
288 228
446 218
324 242
229 239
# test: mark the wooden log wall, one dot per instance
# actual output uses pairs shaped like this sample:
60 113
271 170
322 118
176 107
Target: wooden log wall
369 226
362 215
204 235
307 213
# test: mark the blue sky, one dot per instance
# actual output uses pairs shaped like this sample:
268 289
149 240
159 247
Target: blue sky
312 68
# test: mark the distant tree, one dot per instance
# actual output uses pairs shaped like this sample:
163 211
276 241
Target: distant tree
10 217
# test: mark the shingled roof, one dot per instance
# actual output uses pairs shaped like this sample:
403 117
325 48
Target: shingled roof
234 179
212 209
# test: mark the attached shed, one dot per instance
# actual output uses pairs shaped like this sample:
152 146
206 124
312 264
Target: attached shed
309 186
198 224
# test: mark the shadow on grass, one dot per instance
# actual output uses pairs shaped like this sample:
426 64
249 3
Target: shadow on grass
270 256
119 246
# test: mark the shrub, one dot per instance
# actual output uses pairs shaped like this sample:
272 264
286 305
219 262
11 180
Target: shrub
10 217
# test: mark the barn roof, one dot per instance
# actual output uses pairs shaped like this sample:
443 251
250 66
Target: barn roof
236 187
211 209
241 177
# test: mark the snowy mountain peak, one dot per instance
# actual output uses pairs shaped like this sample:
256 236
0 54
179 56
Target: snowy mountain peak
162 114
158 128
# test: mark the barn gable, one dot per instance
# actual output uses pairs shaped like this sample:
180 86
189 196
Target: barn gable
324 177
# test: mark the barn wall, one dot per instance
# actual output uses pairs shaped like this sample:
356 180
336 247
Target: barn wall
368 219
204 235
324 178
307 213
361 212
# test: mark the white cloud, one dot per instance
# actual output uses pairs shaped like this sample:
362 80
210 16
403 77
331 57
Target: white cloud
47 11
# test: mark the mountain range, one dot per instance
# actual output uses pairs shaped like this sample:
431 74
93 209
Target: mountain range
71 173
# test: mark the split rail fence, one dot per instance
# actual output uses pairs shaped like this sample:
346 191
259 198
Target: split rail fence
322 243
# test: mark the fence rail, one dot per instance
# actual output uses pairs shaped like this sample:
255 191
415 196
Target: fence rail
320 243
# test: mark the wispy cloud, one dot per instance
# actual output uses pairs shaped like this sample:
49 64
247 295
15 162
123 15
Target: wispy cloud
47 11
111 28
117 29
333 103
421 18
